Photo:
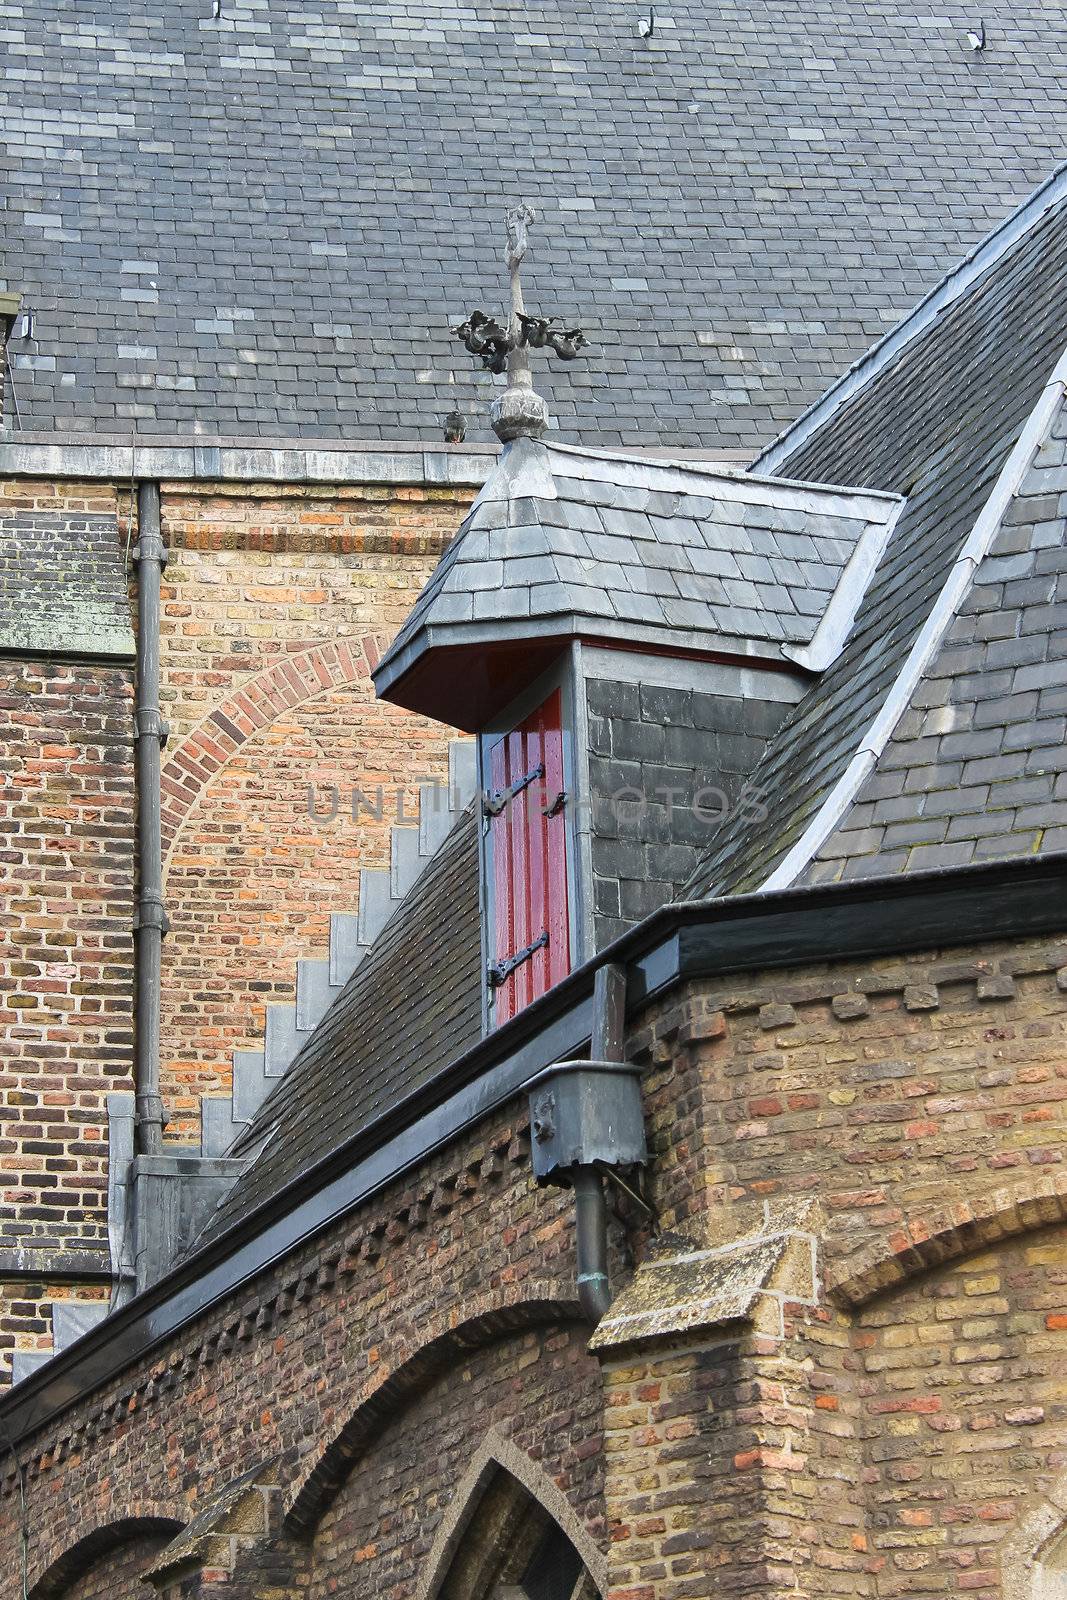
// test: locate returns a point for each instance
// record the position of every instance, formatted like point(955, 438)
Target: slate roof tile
point(665, 572)
point(937, 422)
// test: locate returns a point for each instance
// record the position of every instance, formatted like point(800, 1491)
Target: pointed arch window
point(512, 1548)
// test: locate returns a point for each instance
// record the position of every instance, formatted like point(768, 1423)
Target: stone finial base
point(519, 413)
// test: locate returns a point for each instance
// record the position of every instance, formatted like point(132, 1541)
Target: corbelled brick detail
point(830, 1448)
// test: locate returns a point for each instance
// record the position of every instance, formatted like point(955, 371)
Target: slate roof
point(265, 223)
point(937, 423)
point(562, 541)
point(412, 1005)
point(62, 585)
point(976, 767)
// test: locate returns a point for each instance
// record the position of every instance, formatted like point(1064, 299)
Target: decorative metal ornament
point(519, 411)
point(483, 336)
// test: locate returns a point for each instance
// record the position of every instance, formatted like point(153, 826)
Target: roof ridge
point(985, 255)
point(931, 635)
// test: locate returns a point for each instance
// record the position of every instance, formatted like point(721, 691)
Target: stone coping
point(116, 460)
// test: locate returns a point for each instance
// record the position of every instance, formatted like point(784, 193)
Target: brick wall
point(386, 1517)
point(113, 1575)
point(885, 1089)
point(399, 1305)
point(275, 605)
point(67, 865)
point(907, 1420)
point(964, 1402)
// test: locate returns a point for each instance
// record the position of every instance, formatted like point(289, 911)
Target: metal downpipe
point(150, 731)
point(591, 1242)
point(590, 1204)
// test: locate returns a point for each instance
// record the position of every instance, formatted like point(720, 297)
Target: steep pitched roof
point(309, 195)
point(63, 585)
point(976, 766)
point(412, 1005)
point(947, 419)
point(968, 419)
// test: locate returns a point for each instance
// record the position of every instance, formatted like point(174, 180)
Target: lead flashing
point(714, 481)
point(835, 624)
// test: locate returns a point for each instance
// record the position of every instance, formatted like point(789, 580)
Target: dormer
point(623, 635)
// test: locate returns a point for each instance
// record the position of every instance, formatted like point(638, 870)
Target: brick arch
point(945, 1233)
point(286, 683)
point(61, 1571)
point(497, 1452)
point(412, 1367)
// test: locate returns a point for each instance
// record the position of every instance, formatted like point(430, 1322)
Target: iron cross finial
point(519, 410)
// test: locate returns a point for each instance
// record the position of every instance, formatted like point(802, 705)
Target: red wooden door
point(528, 861)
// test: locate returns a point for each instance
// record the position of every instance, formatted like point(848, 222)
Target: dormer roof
point(568, 543)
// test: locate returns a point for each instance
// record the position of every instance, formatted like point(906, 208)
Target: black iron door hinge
point(493, 802)
point(499, 971)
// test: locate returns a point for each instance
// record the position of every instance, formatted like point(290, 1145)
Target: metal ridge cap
point(517, 1038)
point(944, 294)
point(738, 477)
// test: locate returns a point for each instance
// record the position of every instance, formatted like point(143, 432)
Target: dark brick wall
point(66, 960)
point(115, 1575)
point(664, 766)
point(393, 1506)
point(340, 1342)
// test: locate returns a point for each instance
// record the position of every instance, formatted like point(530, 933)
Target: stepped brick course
point(893, 1435)
point(276, 604)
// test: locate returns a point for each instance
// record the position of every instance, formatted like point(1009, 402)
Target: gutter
point(677, 944)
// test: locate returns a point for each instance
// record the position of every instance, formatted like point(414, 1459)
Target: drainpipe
point(151, 918)
point(591, 1242)
point(585, 1117)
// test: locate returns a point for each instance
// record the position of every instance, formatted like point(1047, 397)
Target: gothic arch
point(945, 1233)
point(497, 1454)
point(411, 1367)
point(63, 1569)
point(266, 695)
